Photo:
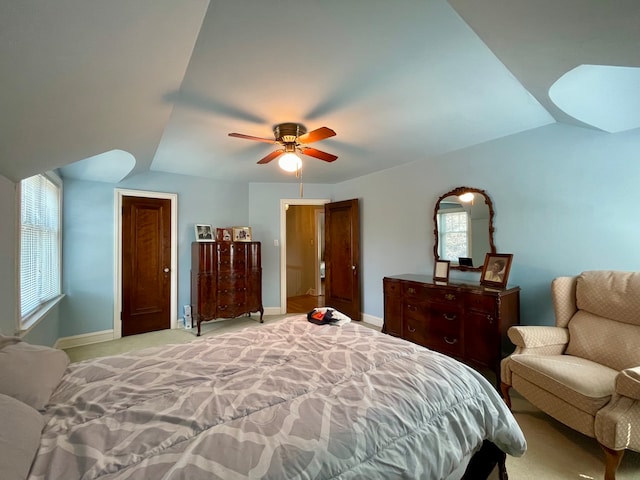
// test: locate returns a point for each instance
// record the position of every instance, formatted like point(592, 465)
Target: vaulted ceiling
point(110, 89)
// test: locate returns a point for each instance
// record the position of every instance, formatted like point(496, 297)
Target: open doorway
point(302, 254)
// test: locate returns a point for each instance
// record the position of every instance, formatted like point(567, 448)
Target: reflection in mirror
point(463, 228)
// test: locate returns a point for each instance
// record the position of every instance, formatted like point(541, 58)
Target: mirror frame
point(456, 192)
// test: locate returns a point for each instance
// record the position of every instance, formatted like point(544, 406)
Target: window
point(40, 244)
point(453, 228)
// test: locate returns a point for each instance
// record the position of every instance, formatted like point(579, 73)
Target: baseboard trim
point(84, 339)
point(272, 311)
point(377, 321)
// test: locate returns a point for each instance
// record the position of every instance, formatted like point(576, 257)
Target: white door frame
point(117, 293)
point(284, 202)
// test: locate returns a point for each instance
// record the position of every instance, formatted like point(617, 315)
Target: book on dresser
point(226, 280)
point(463, 320)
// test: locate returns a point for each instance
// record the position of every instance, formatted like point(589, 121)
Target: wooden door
point(342, 257)
point(146, 262)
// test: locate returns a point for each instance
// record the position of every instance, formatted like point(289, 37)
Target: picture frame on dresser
point(204, 233)
point(441, 271)
point(495, 271)
point(242, 234)
point(224, 234)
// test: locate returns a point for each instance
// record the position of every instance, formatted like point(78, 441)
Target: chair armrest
point(531, 336)
point(628, 383)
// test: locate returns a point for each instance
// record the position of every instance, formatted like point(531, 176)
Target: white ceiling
point(165, 81)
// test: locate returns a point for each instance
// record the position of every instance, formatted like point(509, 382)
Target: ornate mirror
point(463, 228)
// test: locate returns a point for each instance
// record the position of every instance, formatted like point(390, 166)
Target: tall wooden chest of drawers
point(465, 321)
point(226, 280)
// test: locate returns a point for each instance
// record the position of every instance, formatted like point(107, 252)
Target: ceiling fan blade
point(312, 152)
point(250, 137)
point(271, 156)
point(316, 135)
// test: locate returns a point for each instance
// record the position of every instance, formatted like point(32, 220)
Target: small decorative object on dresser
point(203, 233)
point(441, 271)
point(495, 271)
point(224, 234)
point(463, 320)
point(241, 234)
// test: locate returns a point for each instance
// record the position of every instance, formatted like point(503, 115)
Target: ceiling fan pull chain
point(299, 175)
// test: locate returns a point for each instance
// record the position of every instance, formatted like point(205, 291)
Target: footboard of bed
point(485, 461)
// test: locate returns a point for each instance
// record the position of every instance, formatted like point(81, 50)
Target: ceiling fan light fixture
point(290, 162)
point(466, 197)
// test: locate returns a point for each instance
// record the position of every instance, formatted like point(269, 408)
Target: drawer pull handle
point(451, 342)
point(412, 330)
point(413, 308)
point(449, 317)
point(490, 318)
point(450, 296)
point(412, 291)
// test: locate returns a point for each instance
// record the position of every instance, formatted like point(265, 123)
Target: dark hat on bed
point(320, 317)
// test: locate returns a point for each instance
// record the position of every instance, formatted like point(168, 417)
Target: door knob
point(165, 269)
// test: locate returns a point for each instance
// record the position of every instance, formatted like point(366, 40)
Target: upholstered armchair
point(585, 371)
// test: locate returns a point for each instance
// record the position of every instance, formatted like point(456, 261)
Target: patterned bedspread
point(286, 400)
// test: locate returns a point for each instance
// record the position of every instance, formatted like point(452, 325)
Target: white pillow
point(19, 437)
point(30, 373)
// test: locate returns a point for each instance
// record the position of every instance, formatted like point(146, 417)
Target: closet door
point(342, 257)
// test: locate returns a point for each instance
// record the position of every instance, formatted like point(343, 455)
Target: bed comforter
point(281, 401)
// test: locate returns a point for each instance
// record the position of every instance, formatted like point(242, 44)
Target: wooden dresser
point(465, 321)
point(226, 280)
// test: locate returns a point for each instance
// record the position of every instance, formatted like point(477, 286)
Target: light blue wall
point(565, 199)
point(264, 218)
point(88, 251)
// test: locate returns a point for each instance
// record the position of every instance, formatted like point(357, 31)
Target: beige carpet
point(555, 452)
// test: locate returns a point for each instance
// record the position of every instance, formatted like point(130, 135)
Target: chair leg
point(504, 388)
point(612, 459)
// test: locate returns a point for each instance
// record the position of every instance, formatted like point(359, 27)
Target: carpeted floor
point(555, 452)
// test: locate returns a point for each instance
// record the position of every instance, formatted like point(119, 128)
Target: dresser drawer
point(445, 343)
point(416, 310)
point(415, 291)
point(232, 280)
point(484, 303)
point(227, 265)
point(231, 296)
point(445, 314)
point(392, 287)
point(415, 330)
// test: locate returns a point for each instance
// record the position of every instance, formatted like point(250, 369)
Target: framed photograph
point(241, 234)
point(204, 233)
point(224, 234)
point(495, 271)
point(441, 270)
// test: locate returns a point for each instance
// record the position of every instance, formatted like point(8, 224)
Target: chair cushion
point(605, 341)
point(585, 384)
point(610, 294)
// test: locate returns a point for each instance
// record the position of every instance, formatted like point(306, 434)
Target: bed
point(286, 400)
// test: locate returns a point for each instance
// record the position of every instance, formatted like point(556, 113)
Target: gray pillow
point(30, 373)
point(19, 437)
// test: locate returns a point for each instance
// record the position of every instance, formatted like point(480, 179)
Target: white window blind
point(39, 243)
point(453, 228)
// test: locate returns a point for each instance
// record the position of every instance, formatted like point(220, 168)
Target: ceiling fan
point(293, 137)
